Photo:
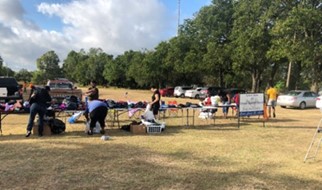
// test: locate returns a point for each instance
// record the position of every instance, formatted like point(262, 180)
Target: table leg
point(1, 123)
point(187, 117)
point(193, 117)
point(114, 116)
point(118, 120)
point(1, 118)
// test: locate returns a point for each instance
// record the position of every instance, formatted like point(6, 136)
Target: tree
point(178, 48)
point(23, 75)
point(297, 37)
point(251, 39)
point(70, 65)
point(48, 66)
point(136, 73)
point(115, 71)
point(215, 24)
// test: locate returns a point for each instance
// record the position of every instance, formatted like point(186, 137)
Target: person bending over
point(96, 111)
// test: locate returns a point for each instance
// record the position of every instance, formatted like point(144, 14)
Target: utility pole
point(5, 67)
point(178, 17)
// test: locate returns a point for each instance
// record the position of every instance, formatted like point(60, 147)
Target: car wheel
point(182, 95)
point(197, 96)
point(283, 106)
point(302, 105)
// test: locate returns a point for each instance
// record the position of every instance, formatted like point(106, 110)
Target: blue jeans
point(226, 108)
point(35, 109)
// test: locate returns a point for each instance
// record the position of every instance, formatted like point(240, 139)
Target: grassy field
point(204, 156)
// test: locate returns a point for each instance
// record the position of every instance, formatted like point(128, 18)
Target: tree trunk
point(221, 78)
point(255, 81)
point(316, 78)
point(288, 75)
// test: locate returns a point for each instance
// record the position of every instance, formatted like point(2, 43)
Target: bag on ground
point(57, 126)
point(96, 129)
point(75, 117)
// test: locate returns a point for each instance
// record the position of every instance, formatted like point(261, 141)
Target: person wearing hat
point(38, 105)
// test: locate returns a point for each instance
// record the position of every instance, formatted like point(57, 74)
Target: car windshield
point(61, 85)
point(294, 93)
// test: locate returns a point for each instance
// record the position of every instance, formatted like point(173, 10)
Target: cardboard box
point(138, 129)
point(46, 131)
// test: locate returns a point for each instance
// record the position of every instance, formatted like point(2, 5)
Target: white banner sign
point(251, 104)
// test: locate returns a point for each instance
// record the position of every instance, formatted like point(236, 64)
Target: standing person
point(227, 103)
point(38, 100)
point(210, 101)
point(92, 93)
point(271, 96)
point(24, 87)
point(96, 111)
point(156, 99)
point(30, 85)
point(32, 90)
point(226, 100)
point(207, 101)
point(236, 100)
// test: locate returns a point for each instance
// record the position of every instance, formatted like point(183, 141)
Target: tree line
point(230, 43)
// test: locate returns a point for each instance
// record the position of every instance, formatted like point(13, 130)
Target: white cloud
point(113, 25)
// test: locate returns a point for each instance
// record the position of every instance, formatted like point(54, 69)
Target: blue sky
point(30, 28)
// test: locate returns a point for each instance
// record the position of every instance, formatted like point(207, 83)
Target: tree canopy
point(229, 43)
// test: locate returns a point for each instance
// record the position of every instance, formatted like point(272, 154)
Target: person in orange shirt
point(272, 97)
point(24, 87)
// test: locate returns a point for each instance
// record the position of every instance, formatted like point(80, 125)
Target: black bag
point(110, 103)
point(126, 127)
point(57, 126)
point(71, 106)
point(71, 102)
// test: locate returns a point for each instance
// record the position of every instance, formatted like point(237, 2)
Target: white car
point(194, 93)
point(318, 102)
point(298, 99)
point(180, 90)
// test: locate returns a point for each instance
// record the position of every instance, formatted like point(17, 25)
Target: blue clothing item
point(95, 104)
point(40, 109)
point(226, 108)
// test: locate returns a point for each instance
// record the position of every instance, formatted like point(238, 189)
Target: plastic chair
point(173, 110)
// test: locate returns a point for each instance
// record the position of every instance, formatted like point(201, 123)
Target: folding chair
point(173, 110)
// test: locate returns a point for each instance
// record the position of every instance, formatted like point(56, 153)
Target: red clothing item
point(207, 101)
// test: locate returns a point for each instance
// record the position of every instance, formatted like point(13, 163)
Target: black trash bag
point(57, 126)
point(71, 102)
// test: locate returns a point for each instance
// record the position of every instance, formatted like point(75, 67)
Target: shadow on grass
point(80, 164)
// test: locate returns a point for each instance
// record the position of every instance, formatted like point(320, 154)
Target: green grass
point(203, 156)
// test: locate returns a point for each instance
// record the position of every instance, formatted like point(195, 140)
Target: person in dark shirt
point(39, 100)
point(96, 111)
point(92, 93)
point(156, 99)
point(32, 90)
point(226, 100)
